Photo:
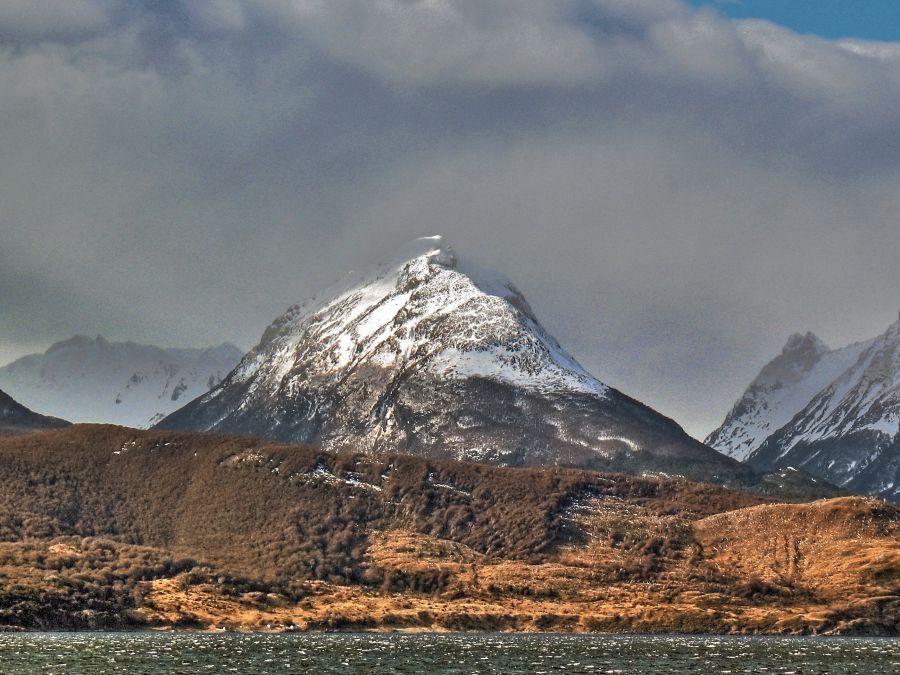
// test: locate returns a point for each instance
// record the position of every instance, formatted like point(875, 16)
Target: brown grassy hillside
point(111, 526)
point(838, 550)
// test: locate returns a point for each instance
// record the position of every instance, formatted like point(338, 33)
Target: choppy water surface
point(435, 653)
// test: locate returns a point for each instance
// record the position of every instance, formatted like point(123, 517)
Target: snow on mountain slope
point(392, 315)
point(94, 380)
point(866, 397)
point(781, 390)
point(433, 357)
point(848, 429)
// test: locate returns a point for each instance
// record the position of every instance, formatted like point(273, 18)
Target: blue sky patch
point(869, 19)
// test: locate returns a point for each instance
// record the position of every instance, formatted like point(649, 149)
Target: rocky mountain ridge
point(833, 413)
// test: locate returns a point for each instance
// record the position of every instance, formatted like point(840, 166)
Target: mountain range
point(86, 379)
point(342, 479)
point(432, 357)
point(835, 413)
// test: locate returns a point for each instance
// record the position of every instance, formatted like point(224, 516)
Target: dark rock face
point(864, 462)
point(14, 417)
point(430, 358)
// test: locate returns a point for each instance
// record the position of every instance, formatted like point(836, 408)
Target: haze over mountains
point(835, 413)
point(86, 379)
point(430, 357)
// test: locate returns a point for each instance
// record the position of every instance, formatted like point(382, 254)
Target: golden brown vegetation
point(105, 526)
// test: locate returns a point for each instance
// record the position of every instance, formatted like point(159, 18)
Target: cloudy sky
point(674, 187)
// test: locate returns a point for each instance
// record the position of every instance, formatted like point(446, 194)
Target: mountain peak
point(434, 249)
point(808, 342)
point(422, 251)
point(76, 342)
point(428, 308)
point(834, 413)
point(433, 356)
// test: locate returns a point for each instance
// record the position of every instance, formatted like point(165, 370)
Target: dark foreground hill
point(107, 526)
point(15, 418)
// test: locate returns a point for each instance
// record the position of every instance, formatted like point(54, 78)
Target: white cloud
point(702, 47)
point(816, 69)
point(427, 42)
point(886, 51)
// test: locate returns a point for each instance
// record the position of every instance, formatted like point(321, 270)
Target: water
point(440, 653)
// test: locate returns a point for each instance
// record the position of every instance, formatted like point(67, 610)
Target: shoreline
point(440, 633)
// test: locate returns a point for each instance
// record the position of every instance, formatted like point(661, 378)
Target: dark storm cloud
point(674, 192)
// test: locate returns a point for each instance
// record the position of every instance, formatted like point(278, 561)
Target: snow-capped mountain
point(833, 413)
point(93, 380)
point(15, 417)
point(431, 357)
point(781, 390)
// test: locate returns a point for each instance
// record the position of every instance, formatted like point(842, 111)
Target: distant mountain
point(16, 418)
point(780, 391)
point(833, 413)
point(431, 357)
point(93, 380)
